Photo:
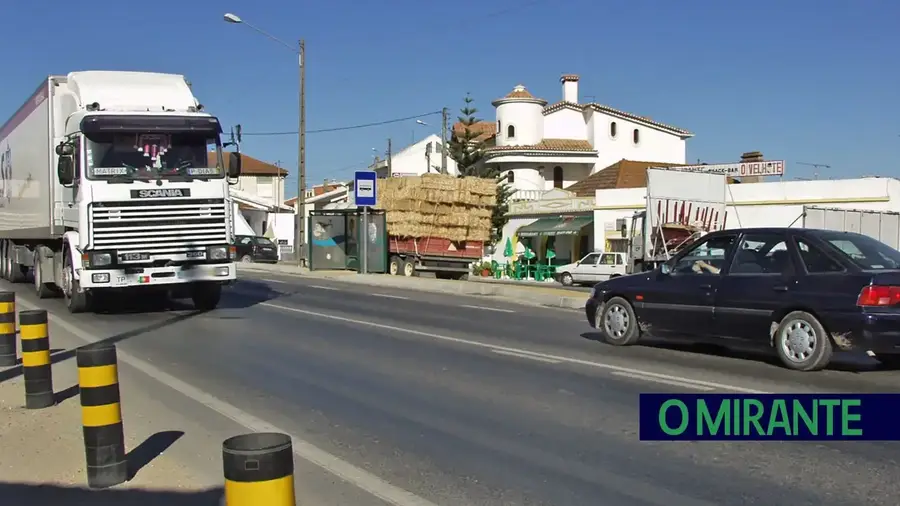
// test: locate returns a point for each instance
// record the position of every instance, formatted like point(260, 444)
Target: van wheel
point(802, 343)
point(617, 322)
point(566, 279)
point(394, 265)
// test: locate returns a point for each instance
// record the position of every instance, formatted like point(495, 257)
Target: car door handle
point(705, 287)
point(780, 288)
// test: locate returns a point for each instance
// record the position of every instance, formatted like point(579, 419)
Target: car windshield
point(863, 251)
point(145, 156)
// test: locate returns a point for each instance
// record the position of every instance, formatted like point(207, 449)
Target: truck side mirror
point(234, 165)
point(65, 170)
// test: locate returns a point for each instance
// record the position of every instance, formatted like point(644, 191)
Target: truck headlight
point(98, 258)
point(217, 253)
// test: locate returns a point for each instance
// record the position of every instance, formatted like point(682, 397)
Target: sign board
point(764, 168)
point(364, 188)
point(403, 174)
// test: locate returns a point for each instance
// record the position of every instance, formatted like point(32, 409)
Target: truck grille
point(166, 230)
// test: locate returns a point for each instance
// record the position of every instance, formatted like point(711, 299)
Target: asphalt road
point(457, 400)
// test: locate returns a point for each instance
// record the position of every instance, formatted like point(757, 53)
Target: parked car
point(255, 248)
point(804, 292)
point(592, 268)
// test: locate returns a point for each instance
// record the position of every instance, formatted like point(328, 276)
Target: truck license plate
point(195, 254)
point(130, 257)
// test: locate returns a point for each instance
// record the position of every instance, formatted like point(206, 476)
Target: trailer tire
point(41, 289)
point(395, 265)
point(77, 301)
point(409, 268)
point(17, 272)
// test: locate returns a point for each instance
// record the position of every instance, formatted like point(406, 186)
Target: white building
point(422, 157)
point(542, 147)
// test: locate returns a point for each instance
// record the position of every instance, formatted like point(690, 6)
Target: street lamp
point(300, 50)
point(421, 123)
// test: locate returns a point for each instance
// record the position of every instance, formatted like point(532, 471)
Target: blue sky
point(801, 80)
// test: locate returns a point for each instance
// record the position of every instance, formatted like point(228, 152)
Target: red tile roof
point(617, 113)
point(251, 166)
point(549, 145)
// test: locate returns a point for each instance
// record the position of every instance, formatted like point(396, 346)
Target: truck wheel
point(4, 261)
point(17, 272)
point(566, 279)
point(77, 301)
point(618, 323)
point(206, 296)
point(41, 289)
point(802, 343)
point(395, 265)
point(409, 268)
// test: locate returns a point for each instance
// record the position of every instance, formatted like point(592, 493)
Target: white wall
point(565, 124)
point(412, 160)
point(528, 118)
point(264, 187)
point(653, 145)
point(527, 177)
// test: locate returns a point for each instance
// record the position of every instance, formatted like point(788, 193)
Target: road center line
point(674, 383)
point(484, 308)
point(469, 342)
point(389, 296)
point(305, 450)
point(524, 355)
point(320, 287)
point(267, 280)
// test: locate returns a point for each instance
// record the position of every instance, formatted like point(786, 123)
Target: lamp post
point(300, 50)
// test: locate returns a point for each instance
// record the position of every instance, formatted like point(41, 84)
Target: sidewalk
point(532, 295)
point(43, 458)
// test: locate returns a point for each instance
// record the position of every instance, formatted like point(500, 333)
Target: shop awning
point(557, 225)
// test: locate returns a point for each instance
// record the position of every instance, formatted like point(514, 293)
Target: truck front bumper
point(156, 276)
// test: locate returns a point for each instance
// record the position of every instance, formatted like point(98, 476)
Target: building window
point(612, 130)
point(499, 130)
point(511, 132)
point(636, 136)
point(510, 177)
point(557, 177)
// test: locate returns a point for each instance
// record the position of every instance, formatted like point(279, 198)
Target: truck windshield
point(147, 156)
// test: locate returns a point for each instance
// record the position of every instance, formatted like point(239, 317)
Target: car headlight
point(217, 253)
point(99, 258)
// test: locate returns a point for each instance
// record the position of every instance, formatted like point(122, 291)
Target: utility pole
point(444, 140)
point(300, 225)
point(389, 156)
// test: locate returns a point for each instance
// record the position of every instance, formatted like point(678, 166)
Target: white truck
point(106, 185)
point(681, 206)
point(881, 225)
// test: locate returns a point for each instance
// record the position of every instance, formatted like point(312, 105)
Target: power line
point(340, 129)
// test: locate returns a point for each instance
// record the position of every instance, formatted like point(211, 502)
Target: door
point(757, 283)
point(681, 301)
point(586, 270)
point(607, 266)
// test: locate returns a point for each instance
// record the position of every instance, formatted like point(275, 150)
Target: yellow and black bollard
point(259, 469)
point(36, 367)
point(8, 329)
point(101, 415)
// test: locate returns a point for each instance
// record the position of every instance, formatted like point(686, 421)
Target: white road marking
point(389, 296)
point(570, 360)
point(320, 287)
point(305, 450)
point(489, 308)
point(674, 383)
point(525, 355)
point(267, 280)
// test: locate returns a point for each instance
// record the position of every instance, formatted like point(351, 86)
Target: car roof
point(779, 230)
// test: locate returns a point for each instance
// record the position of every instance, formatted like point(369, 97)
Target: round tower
point(520, 118)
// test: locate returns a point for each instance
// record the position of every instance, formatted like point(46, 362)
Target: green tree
point(466, 148)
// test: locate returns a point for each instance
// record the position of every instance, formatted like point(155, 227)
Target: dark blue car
point(804, 292)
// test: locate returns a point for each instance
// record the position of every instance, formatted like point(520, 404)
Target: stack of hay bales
point(434, 205)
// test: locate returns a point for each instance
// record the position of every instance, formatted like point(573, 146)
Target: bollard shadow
point(151, 448)
point(20, 494)
point(56, 355)
point(64, 395)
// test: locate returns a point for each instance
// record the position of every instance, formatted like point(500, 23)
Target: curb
point(511, 293)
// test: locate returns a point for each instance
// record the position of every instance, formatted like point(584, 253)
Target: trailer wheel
point(16, 272)
point(395, 265)
point(4, 266)
point(409, 268)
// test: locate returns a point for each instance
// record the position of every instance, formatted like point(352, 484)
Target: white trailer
point(680, 206)
point(106, 185)
point(881, 225)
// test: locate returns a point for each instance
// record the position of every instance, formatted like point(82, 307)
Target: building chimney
point(569, 88)
point(752, 156)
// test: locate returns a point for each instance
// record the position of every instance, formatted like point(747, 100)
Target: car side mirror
point(65, 170)
point(234, 165)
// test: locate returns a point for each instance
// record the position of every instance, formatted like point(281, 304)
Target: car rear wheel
point(247, 259)
point(617, 322)
point(802, 343)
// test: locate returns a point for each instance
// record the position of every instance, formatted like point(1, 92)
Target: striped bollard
point(259, 469)
point(101, 415)
point(36, 368)
point(8, 356)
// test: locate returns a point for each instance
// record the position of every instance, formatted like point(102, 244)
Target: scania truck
point(116, 181)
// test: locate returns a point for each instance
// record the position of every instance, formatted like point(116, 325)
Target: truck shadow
point(246, 293)
point(20, 494)
point(843, 362)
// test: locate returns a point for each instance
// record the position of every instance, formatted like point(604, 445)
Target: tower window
point(511, 132)
point(636, 136)
point(510, 177)
point(557, 177)
point(613, 130)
